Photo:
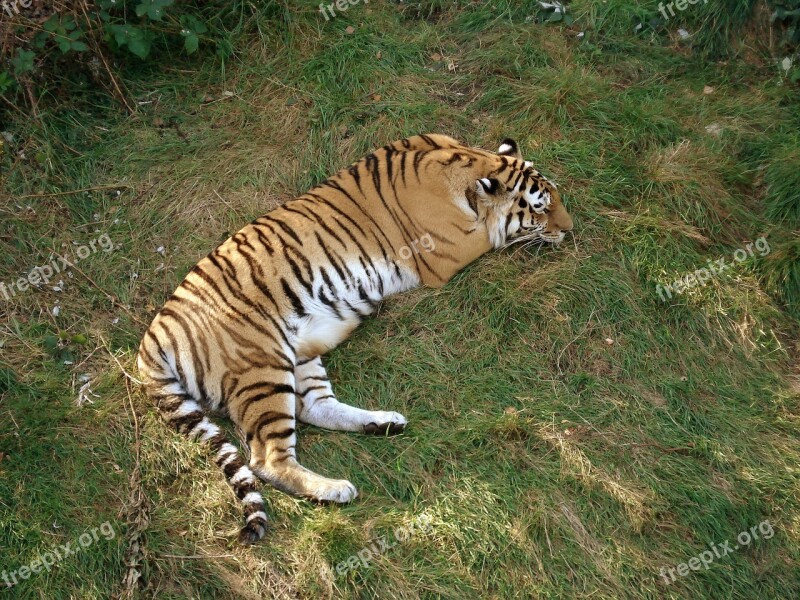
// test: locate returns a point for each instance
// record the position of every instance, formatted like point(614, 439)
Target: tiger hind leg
point(263, 405)
point(317, 405)
point(185, 415)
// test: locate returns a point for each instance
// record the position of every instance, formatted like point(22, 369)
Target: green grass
point(570, 433)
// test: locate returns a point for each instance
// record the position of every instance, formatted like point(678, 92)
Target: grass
point(571, 434)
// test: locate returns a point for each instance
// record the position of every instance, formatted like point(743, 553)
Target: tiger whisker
point(525, 238)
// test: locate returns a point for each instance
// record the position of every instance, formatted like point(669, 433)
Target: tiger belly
point(324, 327)
point(321, 332)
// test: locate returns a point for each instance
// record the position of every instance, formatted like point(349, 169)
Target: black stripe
point(248, 302)
point(418, 156)
point(403, 167)
point(328, 397)
point(193, 336)
point(216, 442)
point(335, 208)
point(297, 305)
point(267, 419)
point(186, 423)
point(279, 435)
point(232, 467)
point(285, 227)
point(299, 274)
point(333, 262)
point(305, 392)
point(429, 141)
point(353, 170)
point(246, 404)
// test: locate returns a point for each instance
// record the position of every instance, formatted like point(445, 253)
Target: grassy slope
point(554, 462)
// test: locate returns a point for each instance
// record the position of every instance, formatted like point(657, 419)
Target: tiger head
point(523, 204)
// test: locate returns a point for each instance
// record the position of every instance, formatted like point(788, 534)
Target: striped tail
point(186, 416)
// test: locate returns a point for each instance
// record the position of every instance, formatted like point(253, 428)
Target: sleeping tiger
point(244, 332)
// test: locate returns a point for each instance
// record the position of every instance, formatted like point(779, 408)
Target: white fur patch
point(187, 407)
point(252, 497)
point(228, 461)
point(319, 333)
point(243, 474)
point(537, 198)
point(255, 515)
point(504, 149)
point(173, 388)
point(532, 197)
point(210, 430)
point(227, 448)
point(205, 429)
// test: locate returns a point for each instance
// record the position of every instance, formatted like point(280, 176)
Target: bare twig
point(198, 556)
point(137, 514)
point(89, 189)
point(684, 449)
point(575, 339)
point(99, 52)
point(116, 360)
point(14, 106)
point(34, 104)
point(114, 300)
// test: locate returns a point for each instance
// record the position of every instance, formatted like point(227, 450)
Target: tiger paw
point(339, 491)
point(386, 423)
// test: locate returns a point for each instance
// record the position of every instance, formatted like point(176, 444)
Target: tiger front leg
point(317, 405)
point(263, 405)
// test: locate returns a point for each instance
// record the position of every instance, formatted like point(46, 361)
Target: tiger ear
point(486, 186)
point(508, 147)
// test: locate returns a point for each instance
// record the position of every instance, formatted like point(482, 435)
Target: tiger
point(243, 334)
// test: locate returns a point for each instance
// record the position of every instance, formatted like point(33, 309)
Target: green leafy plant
point(6, 82)
point(23, 62)
point(193, 28)
point(154, 9)
point(136, 39)
point(67, 45)
point(65, 33)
